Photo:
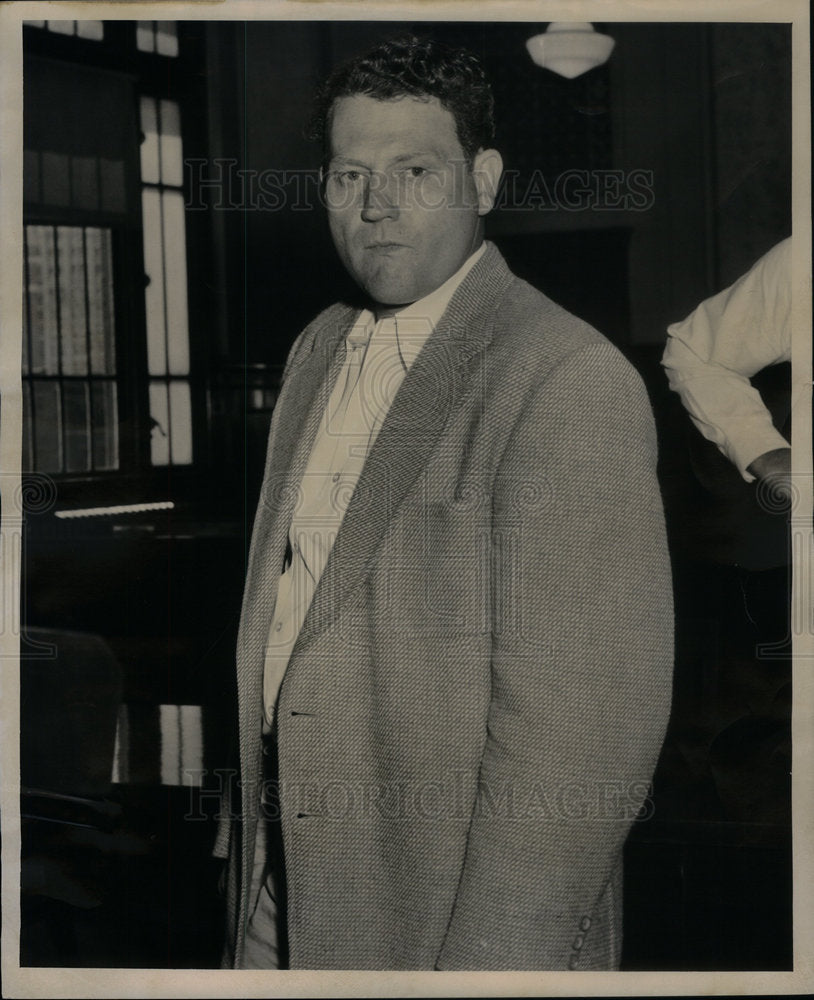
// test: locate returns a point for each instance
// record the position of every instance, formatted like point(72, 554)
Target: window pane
point(72, 319)
point(154, 291)
point(100, 301)
point(149, 145)
point(180, 424)
point(77, 426)
point(105, 418)
point(91, 29)
point(145, 36)
point(71, 422)
point(175, 264)
point(160, 429)
point(62, 27)
point(172, 168)
point(42, 298)
point(166, 38)
point(72, 114)
point(47, 427)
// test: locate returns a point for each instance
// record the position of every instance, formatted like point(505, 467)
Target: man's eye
point(416, 171)
point(346, 176)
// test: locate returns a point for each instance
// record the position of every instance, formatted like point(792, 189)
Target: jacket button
point(585, 923)
point(573, 962)
point(579, 940)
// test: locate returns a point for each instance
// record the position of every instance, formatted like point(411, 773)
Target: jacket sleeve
point(581, 670)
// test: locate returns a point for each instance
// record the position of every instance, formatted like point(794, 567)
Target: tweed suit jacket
point(473, 710)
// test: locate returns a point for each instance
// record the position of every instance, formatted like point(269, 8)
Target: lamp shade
point(570, 48)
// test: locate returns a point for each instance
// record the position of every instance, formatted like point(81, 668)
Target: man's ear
point(487, 168)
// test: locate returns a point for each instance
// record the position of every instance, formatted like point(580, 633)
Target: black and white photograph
point(406, 499)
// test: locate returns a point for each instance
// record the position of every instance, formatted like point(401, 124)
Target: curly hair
point(418, 67)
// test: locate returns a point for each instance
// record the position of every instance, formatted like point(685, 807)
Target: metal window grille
point(70, 392)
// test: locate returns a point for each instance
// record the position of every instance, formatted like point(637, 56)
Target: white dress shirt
point(378, 355)
point(711, 355)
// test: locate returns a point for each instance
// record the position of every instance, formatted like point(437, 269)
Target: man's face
point(403, 204)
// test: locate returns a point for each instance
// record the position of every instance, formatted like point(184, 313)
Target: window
point(107, 366)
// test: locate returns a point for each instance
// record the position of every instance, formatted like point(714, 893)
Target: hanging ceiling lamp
point(570, 48)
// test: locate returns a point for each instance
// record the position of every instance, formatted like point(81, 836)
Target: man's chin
point(390, 297)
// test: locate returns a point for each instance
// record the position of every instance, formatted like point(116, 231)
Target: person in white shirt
point(711, 355)
point(455, 654)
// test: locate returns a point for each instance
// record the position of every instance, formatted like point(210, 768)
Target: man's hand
point(774, 468)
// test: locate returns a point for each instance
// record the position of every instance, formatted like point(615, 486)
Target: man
point(455, 648)
point(711, 355)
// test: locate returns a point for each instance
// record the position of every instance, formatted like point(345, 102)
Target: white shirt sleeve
point(711, 355)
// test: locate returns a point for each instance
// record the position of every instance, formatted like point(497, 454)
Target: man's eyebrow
point(401, 158)
point(347, 161)
point(405, 157)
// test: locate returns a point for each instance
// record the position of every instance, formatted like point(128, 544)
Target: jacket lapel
point(423, 405)
point(305, 391)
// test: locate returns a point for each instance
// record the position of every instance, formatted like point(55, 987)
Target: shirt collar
point(413, 324)
point(432, 306)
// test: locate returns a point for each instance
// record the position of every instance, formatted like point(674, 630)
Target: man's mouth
point(384, 245)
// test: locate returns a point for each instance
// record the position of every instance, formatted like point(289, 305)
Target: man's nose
point(380, 201)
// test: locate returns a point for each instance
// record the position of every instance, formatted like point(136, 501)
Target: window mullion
point(88, 361)
point(60, 366)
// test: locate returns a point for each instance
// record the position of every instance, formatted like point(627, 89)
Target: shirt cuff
point(748, 447)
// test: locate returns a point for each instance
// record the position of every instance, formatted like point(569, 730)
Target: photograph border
point(73, 982)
